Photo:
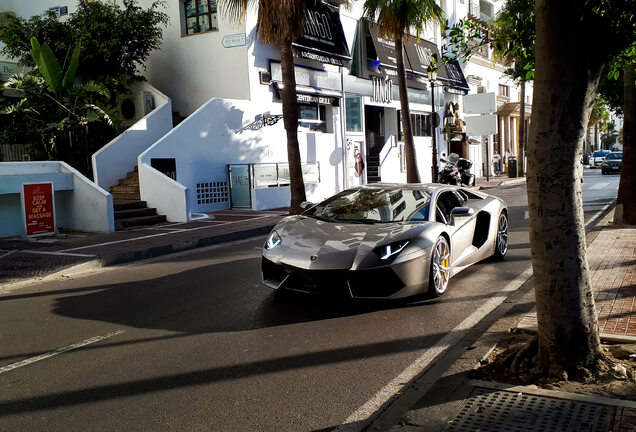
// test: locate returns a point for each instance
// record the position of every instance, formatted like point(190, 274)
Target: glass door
point(240, 186)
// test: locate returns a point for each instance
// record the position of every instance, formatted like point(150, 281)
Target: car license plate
point(615, 167)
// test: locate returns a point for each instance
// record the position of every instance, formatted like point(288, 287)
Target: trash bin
point(512, 167)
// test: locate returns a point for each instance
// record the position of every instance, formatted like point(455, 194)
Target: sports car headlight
point(273, 240)
point(390, 250)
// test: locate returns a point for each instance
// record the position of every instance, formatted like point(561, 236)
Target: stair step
point(126, 196)
point(133, 175)
point(140, 221)
point(128, 182)
point(135, 212)
point(128, 204)
point(124, 188)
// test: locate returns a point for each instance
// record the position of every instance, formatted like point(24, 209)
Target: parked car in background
point(598, 157)
point(612, 163)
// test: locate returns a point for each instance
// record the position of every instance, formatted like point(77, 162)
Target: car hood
point(314, 244)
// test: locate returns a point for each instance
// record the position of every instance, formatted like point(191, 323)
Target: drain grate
point(489, 410)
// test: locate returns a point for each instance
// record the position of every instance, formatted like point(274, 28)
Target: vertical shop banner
point(39, 208)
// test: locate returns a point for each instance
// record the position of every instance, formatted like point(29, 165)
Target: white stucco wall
point(207, 141)
point(115, 159)
point(191, 69)
point(81, 205)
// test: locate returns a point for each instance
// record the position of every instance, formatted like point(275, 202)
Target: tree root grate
point(487, 410)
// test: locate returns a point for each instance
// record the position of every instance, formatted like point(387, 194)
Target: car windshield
point(614, 156)
point(374, 206)
point(600, 153)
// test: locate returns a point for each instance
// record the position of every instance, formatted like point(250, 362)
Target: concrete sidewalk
point(452, 401)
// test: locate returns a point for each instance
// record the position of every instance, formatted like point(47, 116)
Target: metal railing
point(277, 174)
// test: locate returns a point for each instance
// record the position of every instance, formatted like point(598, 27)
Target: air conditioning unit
point(135, 106)
point(481, 89)
point(3, 16)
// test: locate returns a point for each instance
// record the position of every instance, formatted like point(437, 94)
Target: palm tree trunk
point(625, 202)
point(522, 128)
point(565, 85)
point(290, 119)
point(412, 173)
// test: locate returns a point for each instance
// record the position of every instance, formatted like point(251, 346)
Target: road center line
point(58, 351)
point(359, 418)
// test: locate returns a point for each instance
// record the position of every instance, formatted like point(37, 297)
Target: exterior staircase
point(373, 169)
point(130, 211)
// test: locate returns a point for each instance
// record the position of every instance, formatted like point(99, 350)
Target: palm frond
point(395, 18)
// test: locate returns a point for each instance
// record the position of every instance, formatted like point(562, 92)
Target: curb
point(179, 246)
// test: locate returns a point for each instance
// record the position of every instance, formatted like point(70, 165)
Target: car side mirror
point(305, 205)
point(461, 212)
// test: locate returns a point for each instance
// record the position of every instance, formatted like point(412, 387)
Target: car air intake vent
point(377, 283)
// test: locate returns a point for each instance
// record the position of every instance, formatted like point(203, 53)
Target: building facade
point(231, 149)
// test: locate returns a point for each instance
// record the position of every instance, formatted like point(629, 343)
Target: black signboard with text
point(323, 39)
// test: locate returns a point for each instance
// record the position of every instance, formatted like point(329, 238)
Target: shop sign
point(308, 77)
point(382, 90)
point(314, 99)
point(39, 208)
point(323, 38)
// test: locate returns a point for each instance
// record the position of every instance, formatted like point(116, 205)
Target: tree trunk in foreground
point(565, 85)
point(412, 173)
point(290, 119)
point(625, 203)
point(522, 129)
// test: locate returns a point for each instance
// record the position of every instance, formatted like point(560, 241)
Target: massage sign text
point(38, 208)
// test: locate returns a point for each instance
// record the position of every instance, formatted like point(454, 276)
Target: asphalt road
point(195, 342)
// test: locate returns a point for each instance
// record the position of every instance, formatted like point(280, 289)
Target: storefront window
point(313, 116)
point(420, 124)
point(354, 113)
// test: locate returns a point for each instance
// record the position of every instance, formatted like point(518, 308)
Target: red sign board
point(39, 210)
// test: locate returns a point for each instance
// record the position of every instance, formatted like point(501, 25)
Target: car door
point(461, 228)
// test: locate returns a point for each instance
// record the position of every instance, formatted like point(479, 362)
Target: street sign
point(39, 208)
point(235, 40)
point(481, 124)
point(480, 103)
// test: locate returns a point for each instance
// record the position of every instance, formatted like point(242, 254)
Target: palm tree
point(279, 23)
point(395, 18)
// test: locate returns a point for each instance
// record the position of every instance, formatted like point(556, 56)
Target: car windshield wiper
point(319, 218)
point(358, 221)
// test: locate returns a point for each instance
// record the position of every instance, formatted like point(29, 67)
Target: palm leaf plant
point(279, 23)
point(395, 19)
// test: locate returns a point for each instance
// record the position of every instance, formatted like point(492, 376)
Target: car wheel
point(501, 245)
point(440, 268)
point(603, 172)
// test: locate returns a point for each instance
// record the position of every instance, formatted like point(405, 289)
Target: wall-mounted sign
point(323, 39)
point(234, 40)
point(39, 208)
point(314, 99)
point(382, 90)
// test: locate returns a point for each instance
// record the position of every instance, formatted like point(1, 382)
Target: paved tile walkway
point(612, 261)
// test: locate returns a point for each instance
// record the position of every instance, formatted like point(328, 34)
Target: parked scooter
point(456, 171)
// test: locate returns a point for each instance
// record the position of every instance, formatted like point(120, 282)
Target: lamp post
point(432, 76)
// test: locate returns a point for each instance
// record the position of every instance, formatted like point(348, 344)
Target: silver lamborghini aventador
point(385, 241)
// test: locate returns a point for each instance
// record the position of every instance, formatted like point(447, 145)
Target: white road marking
point(358, 419)
point(7, 254)
point(526, 215)
point(598, 186)
point(58, 351)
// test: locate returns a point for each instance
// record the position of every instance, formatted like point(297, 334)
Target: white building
point(231, 149)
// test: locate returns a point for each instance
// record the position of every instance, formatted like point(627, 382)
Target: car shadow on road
point(215, 298)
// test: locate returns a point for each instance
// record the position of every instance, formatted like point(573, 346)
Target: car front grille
point(375, 283)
